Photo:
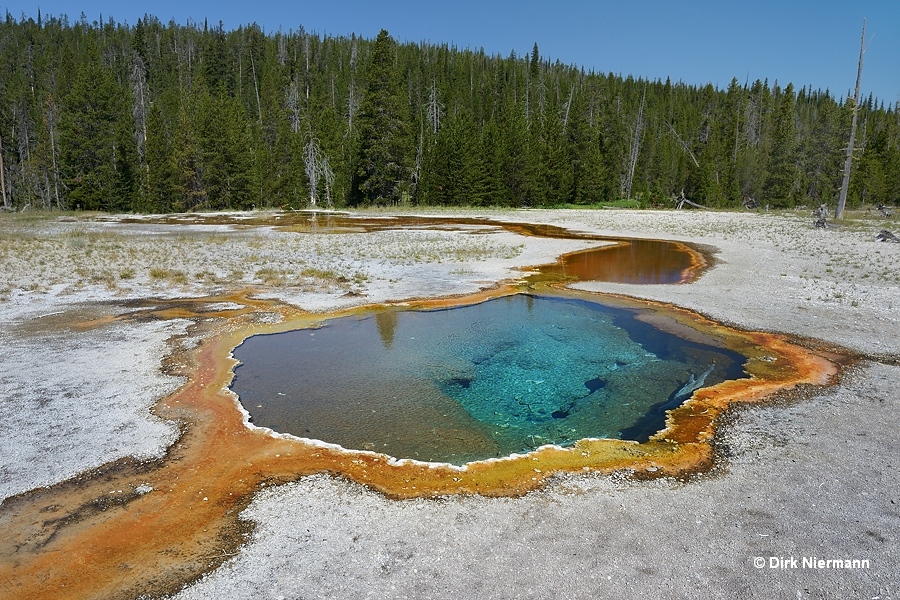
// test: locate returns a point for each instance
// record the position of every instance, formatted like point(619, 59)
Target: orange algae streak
point(157, 541)
point(775, 364)
point(626, 261)
point(188, 523)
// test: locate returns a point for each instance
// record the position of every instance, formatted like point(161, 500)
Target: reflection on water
point(632, 261)
point(628, 261)
point(387, 323)
point(472, 382)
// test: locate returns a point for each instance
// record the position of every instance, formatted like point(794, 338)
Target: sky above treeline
point(813, 43)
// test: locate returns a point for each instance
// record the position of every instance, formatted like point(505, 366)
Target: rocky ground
point(812, 478)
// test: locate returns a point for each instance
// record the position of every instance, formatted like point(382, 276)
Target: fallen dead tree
point(682, 200)
point(821, 215)
point(886, 236)
point(693, 384)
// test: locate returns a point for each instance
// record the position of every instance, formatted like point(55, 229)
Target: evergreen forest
point(157, 117)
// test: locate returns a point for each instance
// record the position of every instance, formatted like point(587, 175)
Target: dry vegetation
point(65, 254)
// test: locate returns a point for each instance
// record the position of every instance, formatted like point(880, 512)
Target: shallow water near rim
point(473, 382)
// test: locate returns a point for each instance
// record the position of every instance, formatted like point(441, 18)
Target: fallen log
point(694, 204)
point(886, 236)
point(682, 200)
point(693, 384)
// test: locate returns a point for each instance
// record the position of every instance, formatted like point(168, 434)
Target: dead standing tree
point(313, 169)
point(318, 166)
point(848, 163)
point(139, 112)
point(6, 205)
point(434, 109)
point(328, 174)
point(635, 148)
point(684, 146)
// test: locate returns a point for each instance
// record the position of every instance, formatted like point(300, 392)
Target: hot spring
point(473, 382)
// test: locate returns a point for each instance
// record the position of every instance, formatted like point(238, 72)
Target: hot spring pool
point(474, 382)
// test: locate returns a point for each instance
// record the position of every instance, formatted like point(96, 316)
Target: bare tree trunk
point(328, 173)
point(256, 88)
point(417, 171)
point(352, 106)
point(635, 147)
point(527, 102)
point(353, 101)
point(3, 177)
point(306, 54)
point(51, 128)
point(737, 137)
point(684, 145)
point(568, 106)
point(141, 95)
point(282, 48)
point(45, 190)
point(311, 158)
point(848, 163)
point(293, 105)
point(434, 109)
point(542, 98)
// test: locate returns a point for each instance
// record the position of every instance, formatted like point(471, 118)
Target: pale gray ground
point(798, 483)
point(73, 401)
point(812, 478)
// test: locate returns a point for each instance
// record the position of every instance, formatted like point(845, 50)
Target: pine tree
point(384, 160)
point(708, 183)
point(186, 158)
point(535, 64)
point(588, 172)
point(161, 117)
point(494, 191)
point(871, 179)
point(162, 178)
point(733, 139)
point(820, 150)
point(552, 181)
point(89, 136)
point(454, 173)
point(780, 185)
point(517, 159)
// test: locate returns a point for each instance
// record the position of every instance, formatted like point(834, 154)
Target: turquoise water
point(473, 382)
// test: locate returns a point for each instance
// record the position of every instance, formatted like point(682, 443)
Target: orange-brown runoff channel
point(104, 535)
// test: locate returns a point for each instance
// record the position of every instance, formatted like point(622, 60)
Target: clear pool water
point(473, 382)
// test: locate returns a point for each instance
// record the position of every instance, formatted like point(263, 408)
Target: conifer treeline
point(166, 117)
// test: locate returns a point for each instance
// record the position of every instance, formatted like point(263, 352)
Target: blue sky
point(807, 42)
